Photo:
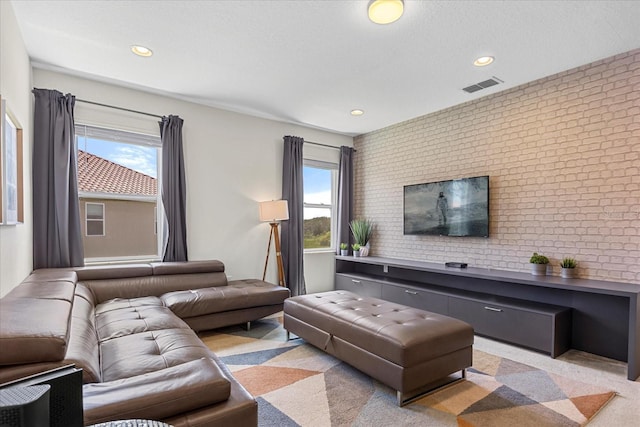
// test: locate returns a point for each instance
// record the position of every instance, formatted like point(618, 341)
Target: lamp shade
point(274, 210)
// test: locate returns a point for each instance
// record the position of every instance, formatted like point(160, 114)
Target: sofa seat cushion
point(239, 294)
point(400, 334)
point(118, 318)
point(145, 352)
point(158, 394)
point(33, 330)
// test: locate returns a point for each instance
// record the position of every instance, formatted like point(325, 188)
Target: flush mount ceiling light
point(357, 112)
point(385, 11)
point(141, 50)
point(483, 60)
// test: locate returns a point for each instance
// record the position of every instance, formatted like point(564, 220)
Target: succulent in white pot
point(538, 264)
point(568, 267)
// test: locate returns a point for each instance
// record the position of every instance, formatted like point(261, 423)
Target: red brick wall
point(563, 155)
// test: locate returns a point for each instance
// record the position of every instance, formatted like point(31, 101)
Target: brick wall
point(563, 156)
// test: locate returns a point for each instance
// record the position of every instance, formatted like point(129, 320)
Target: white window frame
point(87, 220)
point(133, 138)
point(333, 167)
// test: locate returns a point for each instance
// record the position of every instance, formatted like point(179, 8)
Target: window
point(11, 185)
point(118, 174)
point(320, 180)
point(94, 217)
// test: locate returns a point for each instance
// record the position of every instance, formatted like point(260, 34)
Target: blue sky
point(317, 190)
point(317, 185)
point(137, 157)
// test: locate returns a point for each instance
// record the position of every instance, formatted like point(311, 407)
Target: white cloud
point(141, 159)
point(318, 197)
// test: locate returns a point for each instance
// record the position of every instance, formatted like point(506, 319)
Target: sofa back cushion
point(154, 279)
point(83, 350)
point(33, 330)
point(63, 291)
point(190, 267)
point(107, 289)
point(34, 318)
point(123, 271)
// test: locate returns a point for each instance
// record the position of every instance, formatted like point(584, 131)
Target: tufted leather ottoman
point(413, 351)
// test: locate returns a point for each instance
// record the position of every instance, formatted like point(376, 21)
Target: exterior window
point(94, 217)
point(118, 173)
point(319, 204)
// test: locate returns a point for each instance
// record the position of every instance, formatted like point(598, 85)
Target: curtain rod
point(324, 145)
point(118, 108)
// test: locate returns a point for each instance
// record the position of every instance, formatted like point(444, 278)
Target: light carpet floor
point(298, 385)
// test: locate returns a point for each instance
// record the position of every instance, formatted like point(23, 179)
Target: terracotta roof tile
point(99, 175)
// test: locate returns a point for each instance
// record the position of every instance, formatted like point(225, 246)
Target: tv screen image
point(458, 207)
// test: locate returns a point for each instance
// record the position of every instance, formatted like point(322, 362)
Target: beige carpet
point(298, 385)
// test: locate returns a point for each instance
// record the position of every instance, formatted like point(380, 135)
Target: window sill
point(320, 251)
point(124, 260)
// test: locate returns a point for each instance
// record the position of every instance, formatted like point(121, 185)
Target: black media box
point(456, 264)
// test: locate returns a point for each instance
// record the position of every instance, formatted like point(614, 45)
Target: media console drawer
point(359, 286)
point(415, 297)
point(541, 327)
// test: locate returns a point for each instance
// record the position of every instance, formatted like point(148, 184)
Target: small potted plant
point(538, 264)
point(362, 230)
point(344, 249)
point(568, 267)
point(356, 249)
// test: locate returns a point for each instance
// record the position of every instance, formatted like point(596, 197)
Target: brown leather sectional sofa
point(131, 329)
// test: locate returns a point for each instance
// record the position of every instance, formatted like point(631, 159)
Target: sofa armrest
point(158, 394)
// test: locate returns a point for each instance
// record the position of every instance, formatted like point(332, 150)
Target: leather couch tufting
point(131, 330)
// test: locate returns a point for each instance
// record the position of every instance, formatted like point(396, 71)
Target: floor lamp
point(274, 211)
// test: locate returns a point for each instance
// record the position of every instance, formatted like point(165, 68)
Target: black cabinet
point(541, 327)
point(546, 313)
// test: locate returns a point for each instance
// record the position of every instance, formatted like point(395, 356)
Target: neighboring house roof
point(99, 175)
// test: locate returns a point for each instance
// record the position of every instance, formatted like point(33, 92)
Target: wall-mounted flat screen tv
point(458, 207)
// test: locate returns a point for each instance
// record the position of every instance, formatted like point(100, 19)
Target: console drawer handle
point(355, 281)
point(492, 309)
point(410, 292)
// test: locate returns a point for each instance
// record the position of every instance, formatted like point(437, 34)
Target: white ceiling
point(312, 61)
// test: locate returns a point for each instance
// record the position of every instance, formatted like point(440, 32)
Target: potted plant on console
point(538, 264)
point(362, 230)
point(344, 249)
point(568, 267)
point(356, 250)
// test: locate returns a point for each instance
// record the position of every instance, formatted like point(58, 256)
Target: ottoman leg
point(403, 399)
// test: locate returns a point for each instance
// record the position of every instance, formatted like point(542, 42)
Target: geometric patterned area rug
point(297, 384)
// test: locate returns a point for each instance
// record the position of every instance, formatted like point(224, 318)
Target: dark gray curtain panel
point(174, 189)
point(345, 196)
point(292, 230)
point(57, 235)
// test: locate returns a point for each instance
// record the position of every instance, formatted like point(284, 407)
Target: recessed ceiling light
point(357, 112)
point(141, 50)
point(385, 11)
point(483, 60)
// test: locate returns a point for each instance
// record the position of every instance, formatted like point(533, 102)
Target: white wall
point(16, 247)
point(233, 161)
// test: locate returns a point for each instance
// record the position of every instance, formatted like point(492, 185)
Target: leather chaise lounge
point(131, 330)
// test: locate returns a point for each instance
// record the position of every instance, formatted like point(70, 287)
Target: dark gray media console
point(544, 313)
